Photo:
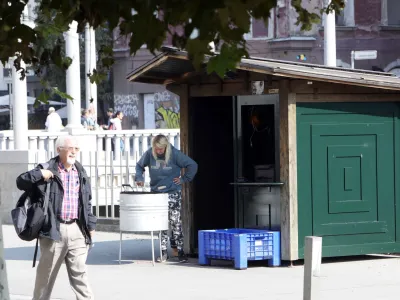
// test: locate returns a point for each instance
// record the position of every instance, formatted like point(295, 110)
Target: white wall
point(12, 164)
point(3, 85)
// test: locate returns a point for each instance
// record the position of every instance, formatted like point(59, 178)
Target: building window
point(340, 19)
point(345, 17)
point(393, 15)
point(259, 30)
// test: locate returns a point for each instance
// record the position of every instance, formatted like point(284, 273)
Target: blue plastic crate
point(239, 245)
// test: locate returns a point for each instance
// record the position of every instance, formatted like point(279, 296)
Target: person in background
point(53, 121)
point(86, 120)
point(69, 229)
point(92, 118)
point(117, 121)
point(165, 164)
point(116, 124)
point(110, 115)
point(92, 110)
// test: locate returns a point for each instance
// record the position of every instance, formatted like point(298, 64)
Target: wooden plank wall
point(314, 91)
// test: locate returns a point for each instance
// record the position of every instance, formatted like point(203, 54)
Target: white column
point(90, 64)
point(20, 95)
point(108, 143)
point(127, 143)
point(73, 77)
point(20, 109)
point(51, 146)
point(145, 143)
point(178, 141)
point(11, 143)
point(41, 145)
point(330, 38)
point(117, 146)
point(33, 143)
point(11, 103)
point(171, 138)
point(3, 143)
point(136, 150)
point(100, 139)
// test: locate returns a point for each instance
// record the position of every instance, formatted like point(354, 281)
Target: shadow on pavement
point(103, 253)
point(225, 265)
point(354, 258)
point(138, 251)
point(134, 251)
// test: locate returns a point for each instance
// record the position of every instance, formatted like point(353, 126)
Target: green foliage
point(223, 22)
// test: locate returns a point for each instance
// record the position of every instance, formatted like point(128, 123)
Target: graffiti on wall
point(167, 110)
point(129, 105)
point(169, 118)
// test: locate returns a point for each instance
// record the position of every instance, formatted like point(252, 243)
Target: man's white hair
point(161, 141)
point(62, 140)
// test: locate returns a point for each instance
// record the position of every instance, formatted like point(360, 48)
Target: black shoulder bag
point(29, 216)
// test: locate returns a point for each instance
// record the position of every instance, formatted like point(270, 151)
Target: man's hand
point(92, 233)
point(177, 180)
point(139, 183)
point(46, 174)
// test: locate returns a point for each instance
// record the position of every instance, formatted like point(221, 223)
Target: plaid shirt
point(70, 180)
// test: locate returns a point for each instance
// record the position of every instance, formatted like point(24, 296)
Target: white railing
point(107, 175)
point(107, 169)
point(136, 142)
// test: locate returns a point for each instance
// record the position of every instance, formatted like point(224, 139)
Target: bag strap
point(45, 207)
point(46, 198)
point(35, 254)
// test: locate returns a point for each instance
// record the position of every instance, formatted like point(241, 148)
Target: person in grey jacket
point(70, 226)
point(165, 164)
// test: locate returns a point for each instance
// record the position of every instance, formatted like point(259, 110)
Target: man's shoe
point(182, 256)
point(164, 257)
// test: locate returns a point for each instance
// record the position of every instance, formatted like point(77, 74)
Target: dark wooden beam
point(224, 89)
point(187, 198)
point(300, 86)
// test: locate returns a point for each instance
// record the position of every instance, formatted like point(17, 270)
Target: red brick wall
point(367, 12)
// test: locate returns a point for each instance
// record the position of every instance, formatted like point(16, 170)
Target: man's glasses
point(71, 148)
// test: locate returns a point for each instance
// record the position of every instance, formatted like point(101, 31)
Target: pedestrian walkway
point(367, 278)
point(24, 297)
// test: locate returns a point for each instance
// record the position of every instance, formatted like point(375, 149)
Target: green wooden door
point(346, 176)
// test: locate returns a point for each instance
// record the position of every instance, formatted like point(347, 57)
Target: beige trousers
point(71, 249)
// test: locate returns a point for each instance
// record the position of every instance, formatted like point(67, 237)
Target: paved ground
point(367, 277)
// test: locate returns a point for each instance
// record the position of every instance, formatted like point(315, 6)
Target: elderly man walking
point(69, 228)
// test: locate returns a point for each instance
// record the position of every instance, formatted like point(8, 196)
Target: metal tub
point(143, 211)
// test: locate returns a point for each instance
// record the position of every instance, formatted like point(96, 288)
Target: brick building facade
point(363, 25)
